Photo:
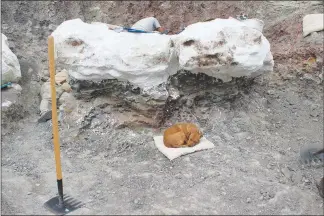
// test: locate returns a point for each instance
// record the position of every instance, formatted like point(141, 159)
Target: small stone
point(51, 27)
point(178, 177)
point(64, 97)
point(69, 102)
point(243, 169)
point(45, 79)
point(61, 77)
point(282, 181)
point(45, 106)
point(226, 136)
point(37, 185)
point(293, 167)
point(45, 116)
point(189, 103)
point(17, 87)
point(66, 87)
point(6, 104)
point(248, 200)
point(241, 135)
point(98, 191)
point(285, 171)
point(29, 193)
point(307, 76)
point(46, 91)
point(321, 76)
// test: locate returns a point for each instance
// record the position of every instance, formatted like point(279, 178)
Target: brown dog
point(181, 135)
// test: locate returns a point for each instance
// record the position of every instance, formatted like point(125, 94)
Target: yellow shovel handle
point(56, 138)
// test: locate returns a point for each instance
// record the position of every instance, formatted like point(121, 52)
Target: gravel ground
point(253, 169)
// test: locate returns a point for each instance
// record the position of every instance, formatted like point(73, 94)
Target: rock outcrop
point(92, 52)
point(224, 48)
point(221, 48)
point(10, 67)
point(12, 107)
point(148, 75)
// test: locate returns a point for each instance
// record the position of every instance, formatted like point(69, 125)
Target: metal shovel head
point(70, 204)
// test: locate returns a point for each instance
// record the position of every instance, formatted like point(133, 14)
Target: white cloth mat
point(173, 153)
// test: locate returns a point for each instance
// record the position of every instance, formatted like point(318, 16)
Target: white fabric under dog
point(173, 153)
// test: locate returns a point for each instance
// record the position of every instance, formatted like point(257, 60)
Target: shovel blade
point(54, 205)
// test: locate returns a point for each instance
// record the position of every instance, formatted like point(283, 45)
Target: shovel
point(59, 205)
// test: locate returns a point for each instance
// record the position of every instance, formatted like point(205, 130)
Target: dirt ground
point(253, 169)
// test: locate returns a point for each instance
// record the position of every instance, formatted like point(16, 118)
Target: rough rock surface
point(121, 105)
point(142, 70)
point(224, 48)
point(92, 52)
point(313, 23)
point(10, 67)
